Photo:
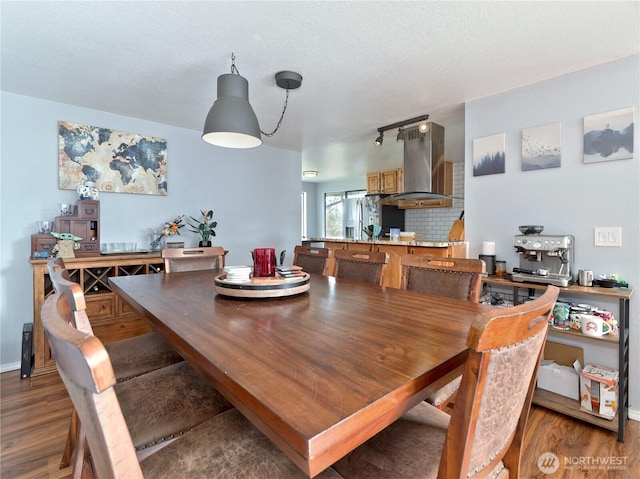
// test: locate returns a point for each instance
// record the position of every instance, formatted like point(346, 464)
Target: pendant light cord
point(234, 70)
point(286, 100)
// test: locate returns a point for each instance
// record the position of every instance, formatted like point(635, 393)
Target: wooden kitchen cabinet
point(393, 271)
point(111, 318)
point(373, 183)
point(387, 182)
point(392, 181)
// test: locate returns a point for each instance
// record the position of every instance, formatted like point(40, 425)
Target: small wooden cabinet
point(86, 225)
point(111, 318)
point(386, 182)
point(373, 183)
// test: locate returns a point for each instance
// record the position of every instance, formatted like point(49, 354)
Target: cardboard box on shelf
point(599, 391)
point(560, 369)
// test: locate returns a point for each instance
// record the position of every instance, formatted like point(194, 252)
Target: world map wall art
point(116, 161)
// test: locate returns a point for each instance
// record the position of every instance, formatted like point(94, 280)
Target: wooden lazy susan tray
point(262, 287)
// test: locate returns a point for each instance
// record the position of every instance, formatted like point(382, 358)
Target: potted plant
point(205, 227)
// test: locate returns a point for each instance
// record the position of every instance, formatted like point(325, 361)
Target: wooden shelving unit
point(566, 405)
point(111, 318)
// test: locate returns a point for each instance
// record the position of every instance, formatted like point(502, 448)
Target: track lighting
point(423, 127)
point(231, 122)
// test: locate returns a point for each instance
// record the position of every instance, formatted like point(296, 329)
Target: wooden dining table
point(320, 372)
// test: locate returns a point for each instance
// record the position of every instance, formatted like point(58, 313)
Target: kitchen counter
point(395, 250)
point(382, 241)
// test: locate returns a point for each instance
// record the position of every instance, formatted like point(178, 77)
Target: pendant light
point(231, 122)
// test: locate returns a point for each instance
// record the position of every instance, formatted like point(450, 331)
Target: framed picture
point(116, 161)
point(541, 147)
point(488, 155)
point(608, 136)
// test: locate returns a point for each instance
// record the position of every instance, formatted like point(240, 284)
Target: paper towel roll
point(488, 247)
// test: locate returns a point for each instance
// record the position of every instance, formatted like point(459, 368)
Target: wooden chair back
point(193, 259)
point(72, 299)
point(457, 278)
point(492, 407)
point(87, 373)
point(311, 259)
point(56, 264)
point(367, 266)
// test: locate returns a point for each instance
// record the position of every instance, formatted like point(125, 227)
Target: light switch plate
point(607, 236)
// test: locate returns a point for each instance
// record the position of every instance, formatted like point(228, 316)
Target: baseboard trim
point(10, 367)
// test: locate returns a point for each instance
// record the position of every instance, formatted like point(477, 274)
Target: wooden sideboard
point(111, 318)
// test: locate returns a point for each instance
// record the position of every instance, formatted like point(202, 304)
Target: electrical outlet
point(605, 236)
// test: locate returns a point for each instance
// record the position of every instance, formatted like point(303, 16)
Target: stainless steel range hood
point(423, 166)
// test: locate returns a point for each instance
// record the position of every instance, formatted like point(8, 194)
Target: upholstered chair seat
point(228, 446)
point(410, 448)
point(166, 403)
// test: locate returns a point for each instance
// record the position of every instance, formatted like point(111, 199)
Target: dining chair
point(312, 259)
point(225, 446)
point(158, 405)
point(367, 266)
point(193, 259)
point(130, 357)
point(483, 436)
point(457, 278)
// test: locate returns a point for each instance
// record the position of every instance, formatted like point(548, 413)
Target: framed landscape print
point(541, 147)
point(488, 155)
point(608, 136)
point(116, 161)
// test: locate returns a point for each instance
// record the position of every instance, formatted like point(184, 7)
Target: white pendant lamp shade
point(231, 122)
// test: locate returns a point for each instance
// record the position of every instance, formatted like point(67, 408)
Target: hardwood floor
point(34, 419)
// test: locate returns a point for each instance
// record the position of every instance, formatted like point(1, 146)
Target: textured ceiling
point(365, 64)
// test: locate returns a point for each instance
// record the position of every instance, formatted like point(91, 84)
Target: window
point(343, 213)
point(303, 208)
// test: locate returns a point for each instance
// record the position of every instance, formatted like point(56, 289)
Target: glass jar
point(501, 268)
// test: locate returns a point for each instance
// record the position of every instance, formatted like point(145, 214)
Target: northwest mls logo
point(548, 463)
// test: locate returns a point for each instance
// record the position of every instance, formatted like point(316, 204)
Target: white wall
point(255, 196)
point(572, 199)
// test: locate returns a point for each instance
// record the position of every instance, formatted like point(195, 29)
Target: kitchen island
point(395, 249)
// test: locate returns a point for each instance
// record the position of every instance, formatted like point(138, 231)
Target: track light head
point(400, 136)
point(379, 140)
point(423, 126)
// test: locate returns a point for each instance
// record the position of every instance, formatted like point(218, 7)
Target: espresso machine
point(545, 259)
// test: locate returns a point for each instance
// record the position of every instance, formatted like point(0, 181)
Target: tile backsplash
point(435, 223)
